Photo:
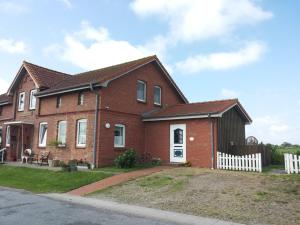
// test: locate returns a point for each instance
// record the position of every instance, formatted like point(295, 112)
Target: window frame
point(145, 91)
point(31, 96)
point(19, 101)
point(58, 101)
point(123, 137)
point(79, 145)
point(59, 132)
point(80, 100)
point(7, 137)
point(41, 145)
point(160, 95)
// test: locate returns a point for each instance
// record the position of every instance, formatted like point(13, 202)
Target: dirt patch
point(248, 198)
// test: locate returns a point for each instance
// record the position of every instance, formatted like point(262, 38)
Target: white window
point(141, 91)
point(157, 95)
point(32, 102)
point(43, 134)
point(58, 101)
point(7, 136)
point(80, 98)
point(119, 141)
point(21, 101)
point(62, 133)
point(81, 133)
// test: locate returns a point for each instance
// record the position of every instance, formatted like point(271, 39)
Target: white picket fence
point(244, 163)
point(292, 163)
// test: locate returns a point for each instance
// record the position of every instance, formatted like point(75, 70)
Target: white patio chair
point(26, 155)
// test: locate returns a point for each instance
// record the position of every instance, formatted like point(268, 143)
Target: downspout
point(95, 124)
point(212, 142)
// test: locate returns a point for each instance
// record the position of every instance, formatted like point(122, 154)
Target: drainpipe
point(95, 124)
point(212, 142)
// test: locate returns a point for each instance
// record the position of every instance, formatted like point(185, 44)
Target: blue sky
point(214, 49)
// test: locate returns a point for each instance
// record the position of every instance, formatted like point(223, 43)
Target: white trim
point(183, 117)
point(160, 93)
point(145, 91)
point(59, 132)
point(4, 103)
point(41, 144)
point(79, 145)
point(19, 98)
point(7, 137)
point(18, 123)
point(31, 96)
point(174, 146)
point(242, 110)
point(63, 91)
point(18, 74)
point(123, 136)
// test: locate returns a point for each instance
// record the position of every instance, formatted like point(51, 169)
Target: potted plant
point(83, 165)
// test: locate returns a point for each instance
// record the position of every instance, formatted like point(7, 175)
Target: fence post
point(259, 162)
point(296, 164)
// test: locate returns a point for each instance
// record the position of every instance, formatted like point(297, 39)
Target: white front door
point(178, 143)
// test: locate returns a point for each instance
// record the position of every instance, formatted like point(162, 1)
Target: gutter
point(92, 88)
point(212, 139)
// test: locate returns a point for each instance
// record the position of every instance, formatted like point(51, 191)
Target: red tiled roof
point(193, 109)
point(99, 75)
point(45, 78)
point(4, 98)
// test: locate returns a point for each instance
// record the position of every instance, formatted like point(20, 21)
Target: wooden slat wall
point(231, 128)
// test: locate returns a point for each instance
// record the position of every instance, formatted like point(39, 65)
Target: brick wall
point(198, 151)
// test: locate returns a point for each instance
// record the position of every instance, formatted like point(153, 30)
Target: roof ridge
point(116, 65)
point(42, 67)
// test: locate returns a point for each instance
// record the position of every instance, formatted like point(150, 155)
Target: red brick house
point(98, 114)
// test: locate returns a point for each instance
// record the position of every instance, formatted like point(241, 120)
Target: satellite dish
point(251, 141)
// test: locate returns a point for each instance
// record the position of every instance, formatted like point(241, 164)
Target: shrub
point(156, 161)
point(277, 157)
point(127, 159)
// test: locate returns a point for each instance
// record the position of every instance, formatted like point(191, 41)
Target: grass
point(292, 150)
point(116, 170)
point(268, 169)
point(43, 181)
point(244, 197)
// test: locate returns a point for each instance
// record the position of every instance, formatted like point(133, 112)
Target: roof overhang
point(19, 123)
point(17, 77)
point(183, 117)
point(4, 103)
point(202, 116)
point(66, 90)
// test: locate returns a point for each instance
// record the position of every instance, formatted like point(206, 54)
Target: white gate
point(291, 163)
point(244, 163)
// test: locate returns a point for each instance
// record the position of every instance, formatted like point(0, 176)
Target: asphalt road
point(24, 208)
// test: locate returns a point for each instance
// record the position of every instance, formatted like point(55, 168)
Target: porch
point(18, 137)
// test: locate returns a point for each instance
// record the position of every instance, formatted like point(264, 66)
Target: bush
point(156, 161)
point(127, 159)
point(277, 157)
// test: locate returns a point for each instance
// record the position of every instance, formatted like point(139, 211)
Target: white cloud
point(12, 46)
point(222, 60)
point(192, 20)
point(12, 7)
point(92, 48)
point(272, 129)
point(226, 93)
point(3, 86)
point(67, 3)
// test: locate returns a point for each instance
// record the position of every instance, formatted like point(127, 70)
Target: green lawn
point(42, 181)
point(116, 170)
